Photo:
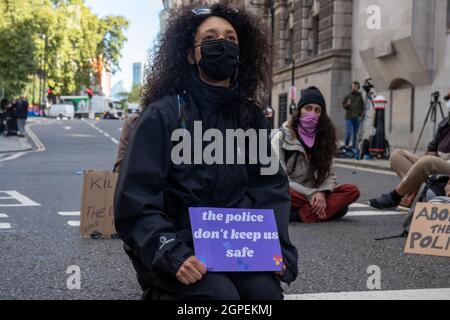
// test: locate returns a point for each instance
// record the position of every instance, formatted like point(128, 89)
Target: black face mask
point(220, 59)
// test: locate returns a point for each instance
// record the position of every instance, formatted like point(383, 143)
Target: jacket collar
point(291, 143)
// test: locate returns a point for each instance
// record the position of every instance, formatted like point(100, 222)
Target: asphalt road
point(39, 246)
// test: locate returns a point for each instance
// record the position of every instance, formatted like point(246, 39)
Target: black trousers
point(218, 286)
point(213, 286)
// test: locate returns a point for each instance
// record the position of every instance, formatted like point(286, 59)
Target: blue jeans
point(352, 130)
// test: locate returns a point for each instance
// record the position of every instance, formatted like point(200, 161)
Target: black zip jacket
point(443, 131)
point(153, 195)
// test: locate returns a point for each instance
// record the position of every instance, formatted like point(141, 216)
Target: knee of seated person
point(355, 192)
point(425, 162)
point(396, 155)
point(263, 286)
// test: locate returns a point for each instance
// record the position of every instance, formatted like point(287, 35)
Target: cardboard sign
point(97, 210)
point(230, 240)
point(430, 230)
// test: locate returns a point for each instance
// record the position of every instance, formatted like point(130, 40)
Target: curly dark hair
point(325, 147)
point(168, 69)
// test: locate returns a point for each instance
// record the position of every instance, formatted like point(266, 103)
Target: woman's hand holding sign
point(191, 271)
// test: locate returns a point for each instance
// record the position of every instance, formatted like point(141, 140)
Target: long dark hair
point(168, 69)
point(325, 147)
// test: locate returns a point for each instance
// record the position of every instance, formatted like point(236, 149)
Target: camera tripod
point(432, 113)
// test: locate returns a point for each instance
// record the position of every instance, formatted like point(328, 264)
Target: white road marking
point(69, 213)
point(4, 226)
point(22, 200)
point(13, 156)
point(350, 167)
point(421, 294)
point(103, 132)
point(374, 213)
point(2, 215)
point(68, 128)
point(359, 205)
point(74, 223)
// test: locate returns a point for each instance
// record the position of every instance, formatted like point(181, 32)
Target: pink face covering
point(307, 128)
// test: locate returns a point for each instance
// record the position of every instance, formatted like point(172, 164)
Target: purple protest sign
point(231, 240)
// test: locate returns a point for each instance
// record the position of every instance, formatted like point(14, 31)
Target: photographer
point(354, 106)
point(414, 171)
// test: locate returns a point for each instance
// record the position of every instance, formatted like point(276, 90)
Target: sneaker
point(385, 201)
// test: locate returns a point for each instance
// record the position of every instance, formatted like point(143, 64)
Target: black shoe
point(385, 201)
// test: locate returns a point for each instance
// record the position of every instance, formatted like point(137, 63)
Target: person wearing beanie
point(306, 145)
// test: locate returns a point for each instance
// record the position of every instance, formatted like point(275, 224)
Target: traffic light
point(90, 93)
point(50, 94)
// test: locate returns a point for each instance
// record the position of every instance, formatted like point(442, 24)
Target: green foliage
point(61, 38)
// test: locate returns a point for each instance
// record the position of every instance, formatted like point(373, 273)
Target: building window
point(282, 108)
point(315, 35)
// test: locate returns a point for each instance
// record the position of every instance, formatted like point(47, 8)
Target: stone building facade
point(313, 46)
point(330, 43)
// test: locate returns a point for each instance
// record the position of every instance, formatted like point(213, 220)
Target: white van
point(62, 111)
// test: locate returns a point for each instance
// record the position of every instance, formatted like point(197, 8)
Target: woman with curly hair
point(212, 66)
point(307, 145)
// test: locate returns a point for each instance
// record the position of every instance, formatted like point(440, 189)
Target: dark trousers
point(214, 286)
point(338, 202)
point(220, 286)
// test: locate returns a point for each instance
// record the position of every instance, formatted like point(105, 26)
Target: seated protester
point(306, 145)
point(414, 170)
point(210, 67)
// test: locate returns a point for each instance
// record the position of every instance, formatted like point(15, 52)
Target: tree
point(60, 40)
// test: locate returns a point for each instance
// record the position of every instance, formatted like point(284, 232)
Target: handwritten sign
point(228, 240)
point(430, 230)
point(97, 210)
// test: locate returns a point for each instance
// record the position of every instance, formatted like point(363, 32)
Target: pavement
point(13, 144)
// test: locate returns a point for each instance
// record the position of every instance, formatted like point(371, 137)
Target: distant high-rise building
point(137, 74)
point(117, 89)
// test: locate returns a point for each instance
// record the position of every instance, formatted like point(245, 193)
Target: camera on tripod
point(436, 96)
point(368, 86)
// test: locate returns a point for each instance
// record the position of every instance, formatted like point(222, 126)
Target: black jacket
point(22, 109)
point(153, 195)
point(441, 134)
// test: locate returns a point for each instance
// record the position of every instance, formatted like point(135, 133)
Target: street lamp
point(270, 6)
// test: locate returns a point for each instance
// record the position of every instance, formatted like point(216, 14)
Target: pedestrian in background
point(307, 146)
point(22, 115)
point(11, 119)
point(354, 106)
point(3, 103)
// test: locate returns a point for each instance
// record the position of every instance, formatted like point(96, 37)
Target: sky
point(143, 16)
